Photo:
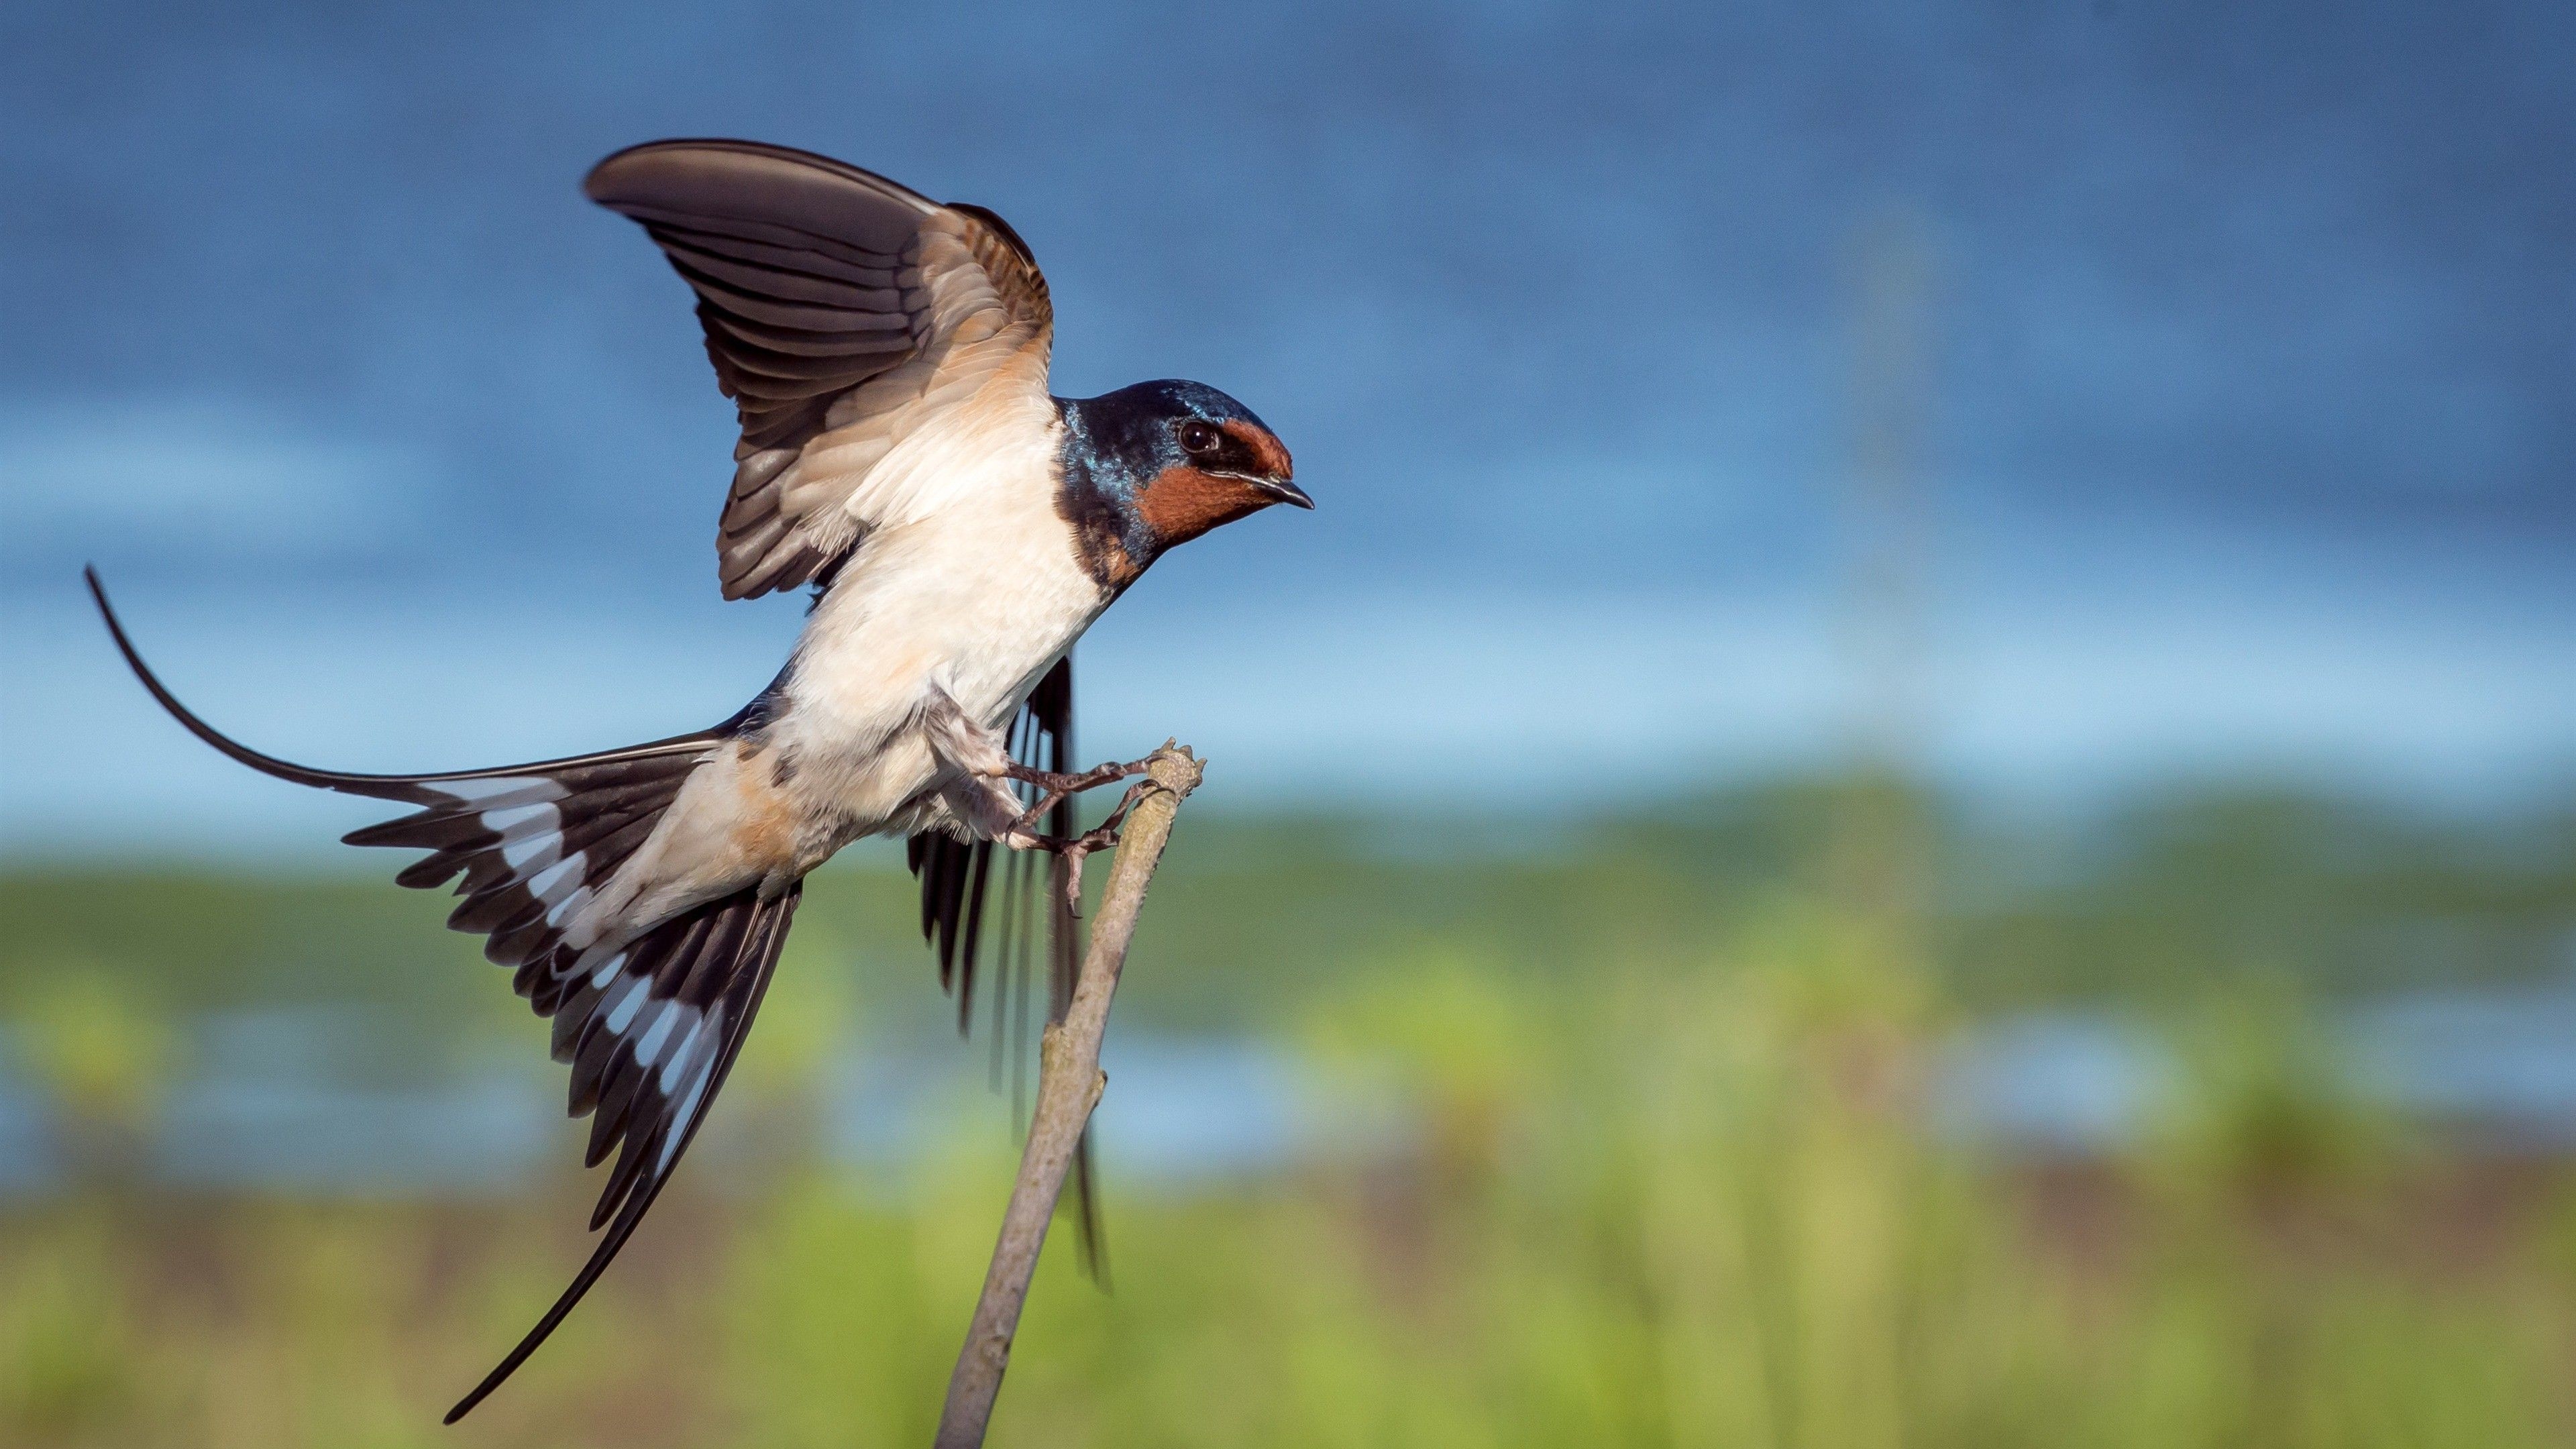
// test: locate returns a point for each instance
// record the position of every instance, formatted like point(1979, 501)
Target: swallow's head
point(1181, 458)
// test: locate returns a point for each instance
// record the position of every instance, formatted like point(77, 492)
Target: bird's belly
point(979, 615)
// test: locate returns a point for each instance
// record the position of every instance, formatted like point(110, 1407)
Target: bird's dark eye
point(1197, 437)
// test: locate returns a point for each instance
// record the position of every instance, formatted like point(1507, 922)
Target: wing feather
point(839, 308)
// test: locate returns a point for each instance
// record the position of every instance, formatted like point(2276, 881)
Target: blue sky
point(2247, 403)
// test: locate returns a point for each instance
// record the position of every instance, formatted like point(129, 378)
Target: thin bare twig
point(1069, 1086)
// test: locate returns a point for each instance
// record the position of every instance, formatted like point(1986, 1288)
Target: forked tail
point(649, 1026)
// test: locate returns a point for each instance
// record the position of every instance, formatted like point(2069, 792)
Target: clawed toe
point(1075, 848)
point(1058, 784)
point(1055, 787)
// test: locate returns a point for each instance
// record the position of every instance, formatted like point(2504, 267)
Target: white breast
point(977, 597)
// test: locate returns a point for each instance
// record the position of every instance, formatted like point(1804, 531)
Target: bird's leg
point(977, 796)
point(989, 808)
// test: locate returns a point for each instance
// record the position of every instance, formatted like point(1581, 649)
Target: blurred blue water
point(2056, 1082)
point(2240, 443)
point(2493, 1070)
point(336, 1102)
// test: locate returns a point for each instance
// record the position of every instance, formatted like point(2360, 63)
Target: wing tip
point(605, 182)
point(1009, 234)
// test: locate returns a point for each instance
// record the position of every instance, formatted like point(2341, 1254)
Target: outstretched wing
point(958, 894)
point(843, 314)
point(649, 1026)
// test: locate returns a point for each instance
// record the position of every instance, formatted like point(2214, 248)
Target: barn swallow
point(959, 527)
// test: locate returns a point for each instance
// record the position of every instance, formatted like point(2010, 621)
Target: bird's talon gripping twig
point(1075, 848)
point(1075, 852)
point(1054, 788)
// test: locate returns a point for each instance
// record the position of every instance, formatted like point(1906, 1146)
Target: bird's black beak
point(1285, 491)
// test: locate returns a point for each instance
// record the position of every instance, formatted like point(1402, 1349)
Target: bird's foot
point(1054, 788)
point(1075, 848)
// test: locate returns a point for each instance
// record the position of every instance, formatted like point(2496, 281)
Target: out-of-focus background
point(1916, 786)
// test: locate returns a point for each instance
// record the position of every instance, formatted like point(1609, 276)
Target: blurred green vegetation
point(1254, 915)
point(1668, 1179)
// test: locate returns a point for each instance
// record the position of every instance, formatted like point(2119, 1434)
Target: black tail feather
point(956, 879)
point(651, 1027)
point(732, 946)
point(384, 787)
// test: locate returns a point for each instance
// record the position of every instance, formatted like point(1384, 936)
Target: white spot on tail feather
point(556, 881)
point(624, 1011)
point(533, 851)
point(680, 1054)
point(659, 1032)
point(608, 969)
point(521, 820)
point(678, 1127)
point(555, 914)
point(501, 791)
